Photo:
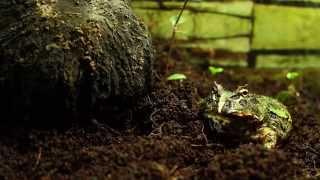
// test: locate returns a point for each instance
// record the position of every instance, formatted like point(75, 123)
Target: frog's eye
point(244, 92)
point(273, 116)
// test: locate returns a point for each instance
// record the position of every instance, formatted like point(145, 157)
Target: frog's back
point(276, 116)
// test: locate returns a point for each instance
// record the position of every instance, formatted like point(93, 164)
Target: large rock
point(59, 58)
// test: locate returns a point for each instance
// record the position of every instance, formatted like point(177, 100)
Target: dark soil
point(168, 141)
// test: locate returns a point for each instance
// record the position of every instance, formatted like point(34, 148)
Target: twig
point(157, 129)
point(308, 148)
point(152, 114)
point(104, 127)
point(173, 169)
point(38, 158)
point(311, 149)
point(207, 145)
point(7, 168)
point(148, 99)
point(204, 135)
point(175, 27)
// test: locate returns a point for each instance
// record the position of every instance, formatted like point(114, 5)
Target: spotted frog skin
point(240, 113)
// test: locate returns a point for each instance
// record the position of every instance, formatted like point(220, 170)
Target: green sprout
point(292, 75)
point(293, 87)
point(215, 70)
point(176, 77)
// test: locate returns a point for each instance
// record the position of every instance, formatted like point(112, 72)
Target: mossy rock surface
point(60, 58)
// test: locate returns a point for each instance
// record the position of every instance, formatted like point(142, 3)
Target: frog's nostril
point(226, 107)
point(243, 102)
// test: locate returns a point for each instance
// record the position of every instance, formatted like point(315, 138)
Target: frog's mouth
point(236, 113)
point(245, 115)
point(244, 121)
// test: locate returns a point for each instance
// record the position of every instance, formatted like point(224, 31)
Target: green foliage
point(176, 77)
point(215, 70)
point(288, 95)
point(292, 75)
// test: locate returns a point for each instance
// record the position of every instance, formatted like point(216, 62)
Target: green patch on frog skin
point(278, 111)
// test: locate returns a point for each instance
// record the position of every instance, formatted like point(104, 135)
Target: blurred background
point(260, 34)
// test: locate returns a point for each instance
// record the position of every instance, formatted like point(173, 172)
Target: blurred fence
point(262, 33)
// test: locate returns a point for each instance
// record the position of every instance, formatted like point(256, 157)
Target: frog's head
point(217, 98)
point(240, 103)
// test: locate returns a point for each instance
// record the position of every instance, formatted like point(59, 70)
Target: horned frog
point(245, 115)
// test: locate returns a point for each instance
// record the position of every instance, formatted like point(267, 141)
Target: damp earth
point(167, 141)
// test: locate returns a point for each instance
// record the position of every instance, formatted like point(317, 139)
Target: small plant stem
point(175, 27)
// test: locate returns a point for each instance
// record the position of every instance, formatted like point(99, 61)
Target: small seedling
point(215, 70)
point(293, 88)
point(292, 75)
point(176, 77)
point(295, 79)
